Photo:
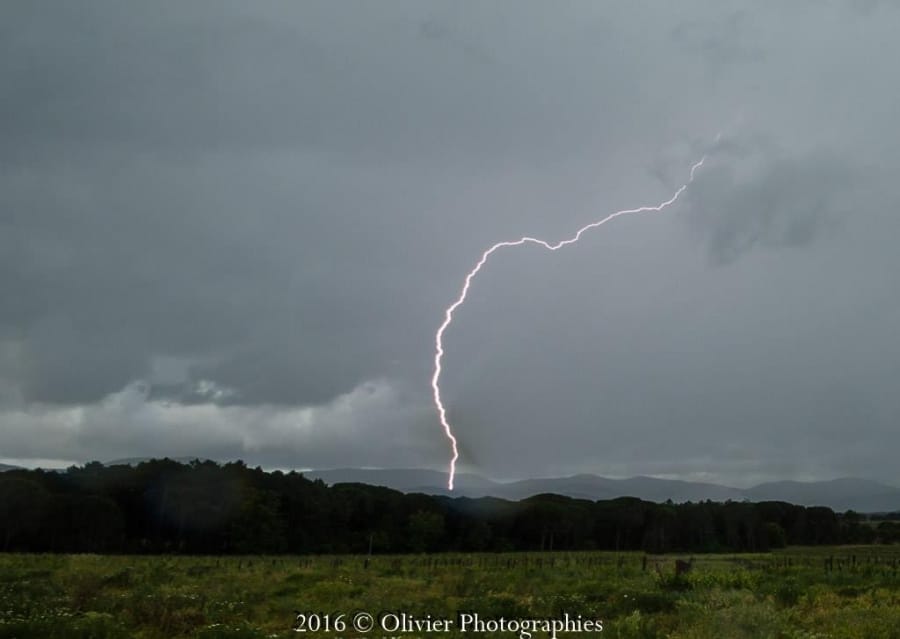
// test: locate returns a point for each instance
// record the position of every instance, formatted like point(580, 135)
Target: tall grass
point(796, 593)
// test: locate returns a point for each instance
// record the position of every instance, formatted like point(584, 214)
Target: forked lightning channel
point(467, 283)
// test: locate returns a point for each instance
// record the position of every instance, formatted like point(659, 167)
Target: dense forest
point(162, 506)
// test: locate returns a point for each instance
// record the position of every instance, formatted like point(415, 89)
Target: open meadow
point(794, 593)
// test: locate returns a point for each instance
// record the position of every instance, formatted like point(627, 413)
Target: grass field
point(796, 593)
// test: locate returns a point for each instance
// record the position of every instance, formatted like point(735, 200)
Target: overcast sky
point(230, 230)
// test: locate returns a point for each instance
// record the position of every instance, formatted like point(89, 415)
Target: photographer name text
point(400, 623)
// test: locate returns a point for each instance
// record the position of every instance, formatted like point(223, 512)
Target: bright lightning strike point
point(448, 314)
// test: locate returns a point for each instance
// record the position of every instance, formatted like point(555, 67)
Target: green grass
point(796, 593)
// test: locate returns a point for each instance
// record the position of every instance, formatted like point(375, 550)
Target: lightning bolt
point(448, 314)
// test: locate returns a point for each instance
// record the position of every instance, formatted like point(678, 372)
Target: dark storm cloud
point(234, 187)
point(721, 41)
point(270, 290)
point(231, 229)
point(761, 198)
point(170, 78)
point(438, 31)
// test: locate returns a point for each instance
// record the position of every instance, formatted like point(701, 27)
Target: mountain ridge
point(840, 494)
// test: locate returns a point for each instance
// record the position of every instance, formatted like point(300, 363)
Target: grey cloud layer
point(754, 198)
point(256, 210)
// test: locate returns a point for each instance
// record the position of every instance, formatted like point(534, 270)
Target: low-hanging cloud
point(130, 423)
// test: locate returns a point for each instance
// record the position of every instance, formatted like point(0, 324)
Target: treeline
point(163, 506)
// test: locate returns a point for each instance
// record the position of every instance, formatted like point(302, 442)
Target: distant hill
point(134, 461)
point(409, 480)
point(843, 494)
point(847, 493)
point(5, 467)
point(649, 488)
